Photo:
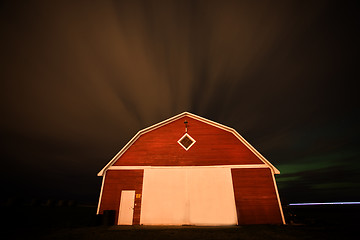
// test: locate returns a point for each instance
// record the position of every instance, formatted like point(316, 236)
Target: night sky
point(80, 79)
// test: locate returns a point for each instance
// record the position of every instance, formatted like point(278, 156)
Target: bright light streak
point(325, 203)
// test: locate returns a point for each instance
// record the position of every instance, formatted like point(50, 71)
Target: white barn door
point(126, 209)
point(164, 197)
point(211, 197)
point(194, 196)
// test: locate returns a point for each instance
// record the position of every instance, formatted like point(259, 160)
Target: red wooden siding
point(214, 146)
point(115, 182)
point(255, 196)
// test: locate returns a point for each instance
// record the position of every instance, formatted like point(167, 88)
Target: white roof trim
point(182, 167)
point(169, 120)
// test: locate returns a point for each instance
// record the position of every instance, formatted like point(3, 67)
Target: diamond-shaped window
point(186, 141)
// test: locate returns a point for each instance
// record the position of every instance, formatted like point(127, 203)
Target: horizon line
point(324, 203)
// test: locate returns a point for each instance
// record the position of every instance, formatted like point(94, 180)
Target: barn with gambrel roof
point(188, 170)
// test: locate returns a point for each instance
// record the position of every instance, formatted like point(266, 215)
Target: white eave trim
point(169, 120)
point(177, 167)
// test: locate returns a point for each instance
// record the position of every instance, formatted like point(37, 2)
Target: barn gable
point(210, 144)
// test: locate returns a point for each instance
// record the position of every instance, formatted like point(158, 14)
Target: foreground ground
point(80, 222)
point(242, 232)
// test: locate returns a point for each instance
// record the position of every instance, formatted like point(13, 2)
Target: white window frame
point(186, 135)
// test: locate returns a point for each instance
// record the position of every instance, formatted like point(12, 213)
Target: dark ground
point(61, 221)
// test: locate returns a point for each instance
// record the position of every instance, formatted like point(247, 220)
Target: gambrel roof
point(201, 119)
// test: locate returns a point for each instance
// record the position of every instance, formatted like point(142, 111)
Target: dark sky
point(79, 79)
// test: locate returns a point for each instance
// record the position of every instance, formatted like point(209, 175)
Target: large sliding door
point(195, 196)
point(164, 197)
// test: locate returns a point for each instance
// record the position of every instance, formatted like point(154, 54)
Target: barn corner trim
point(188, 114)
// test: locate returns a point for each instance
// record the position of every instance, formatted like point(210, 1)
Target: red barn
point(188, 170)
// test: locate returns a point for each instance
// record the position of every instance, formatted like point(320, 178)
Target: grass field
point(28, 222)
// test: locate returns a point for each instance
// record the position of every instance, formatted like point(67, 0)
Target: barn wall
point(255, 197)
point(115, 182)
point(214, 146)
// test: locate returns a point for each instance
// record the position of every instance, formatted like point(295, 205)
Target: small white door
point(126, 210)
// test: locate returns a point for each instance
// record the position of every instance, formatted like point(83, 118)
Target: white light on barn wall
point(186, 141)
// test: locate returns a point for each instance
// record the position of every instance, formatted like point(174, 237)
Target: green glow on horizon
point(287, 179)
point(334, 185)
point(315, 163)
